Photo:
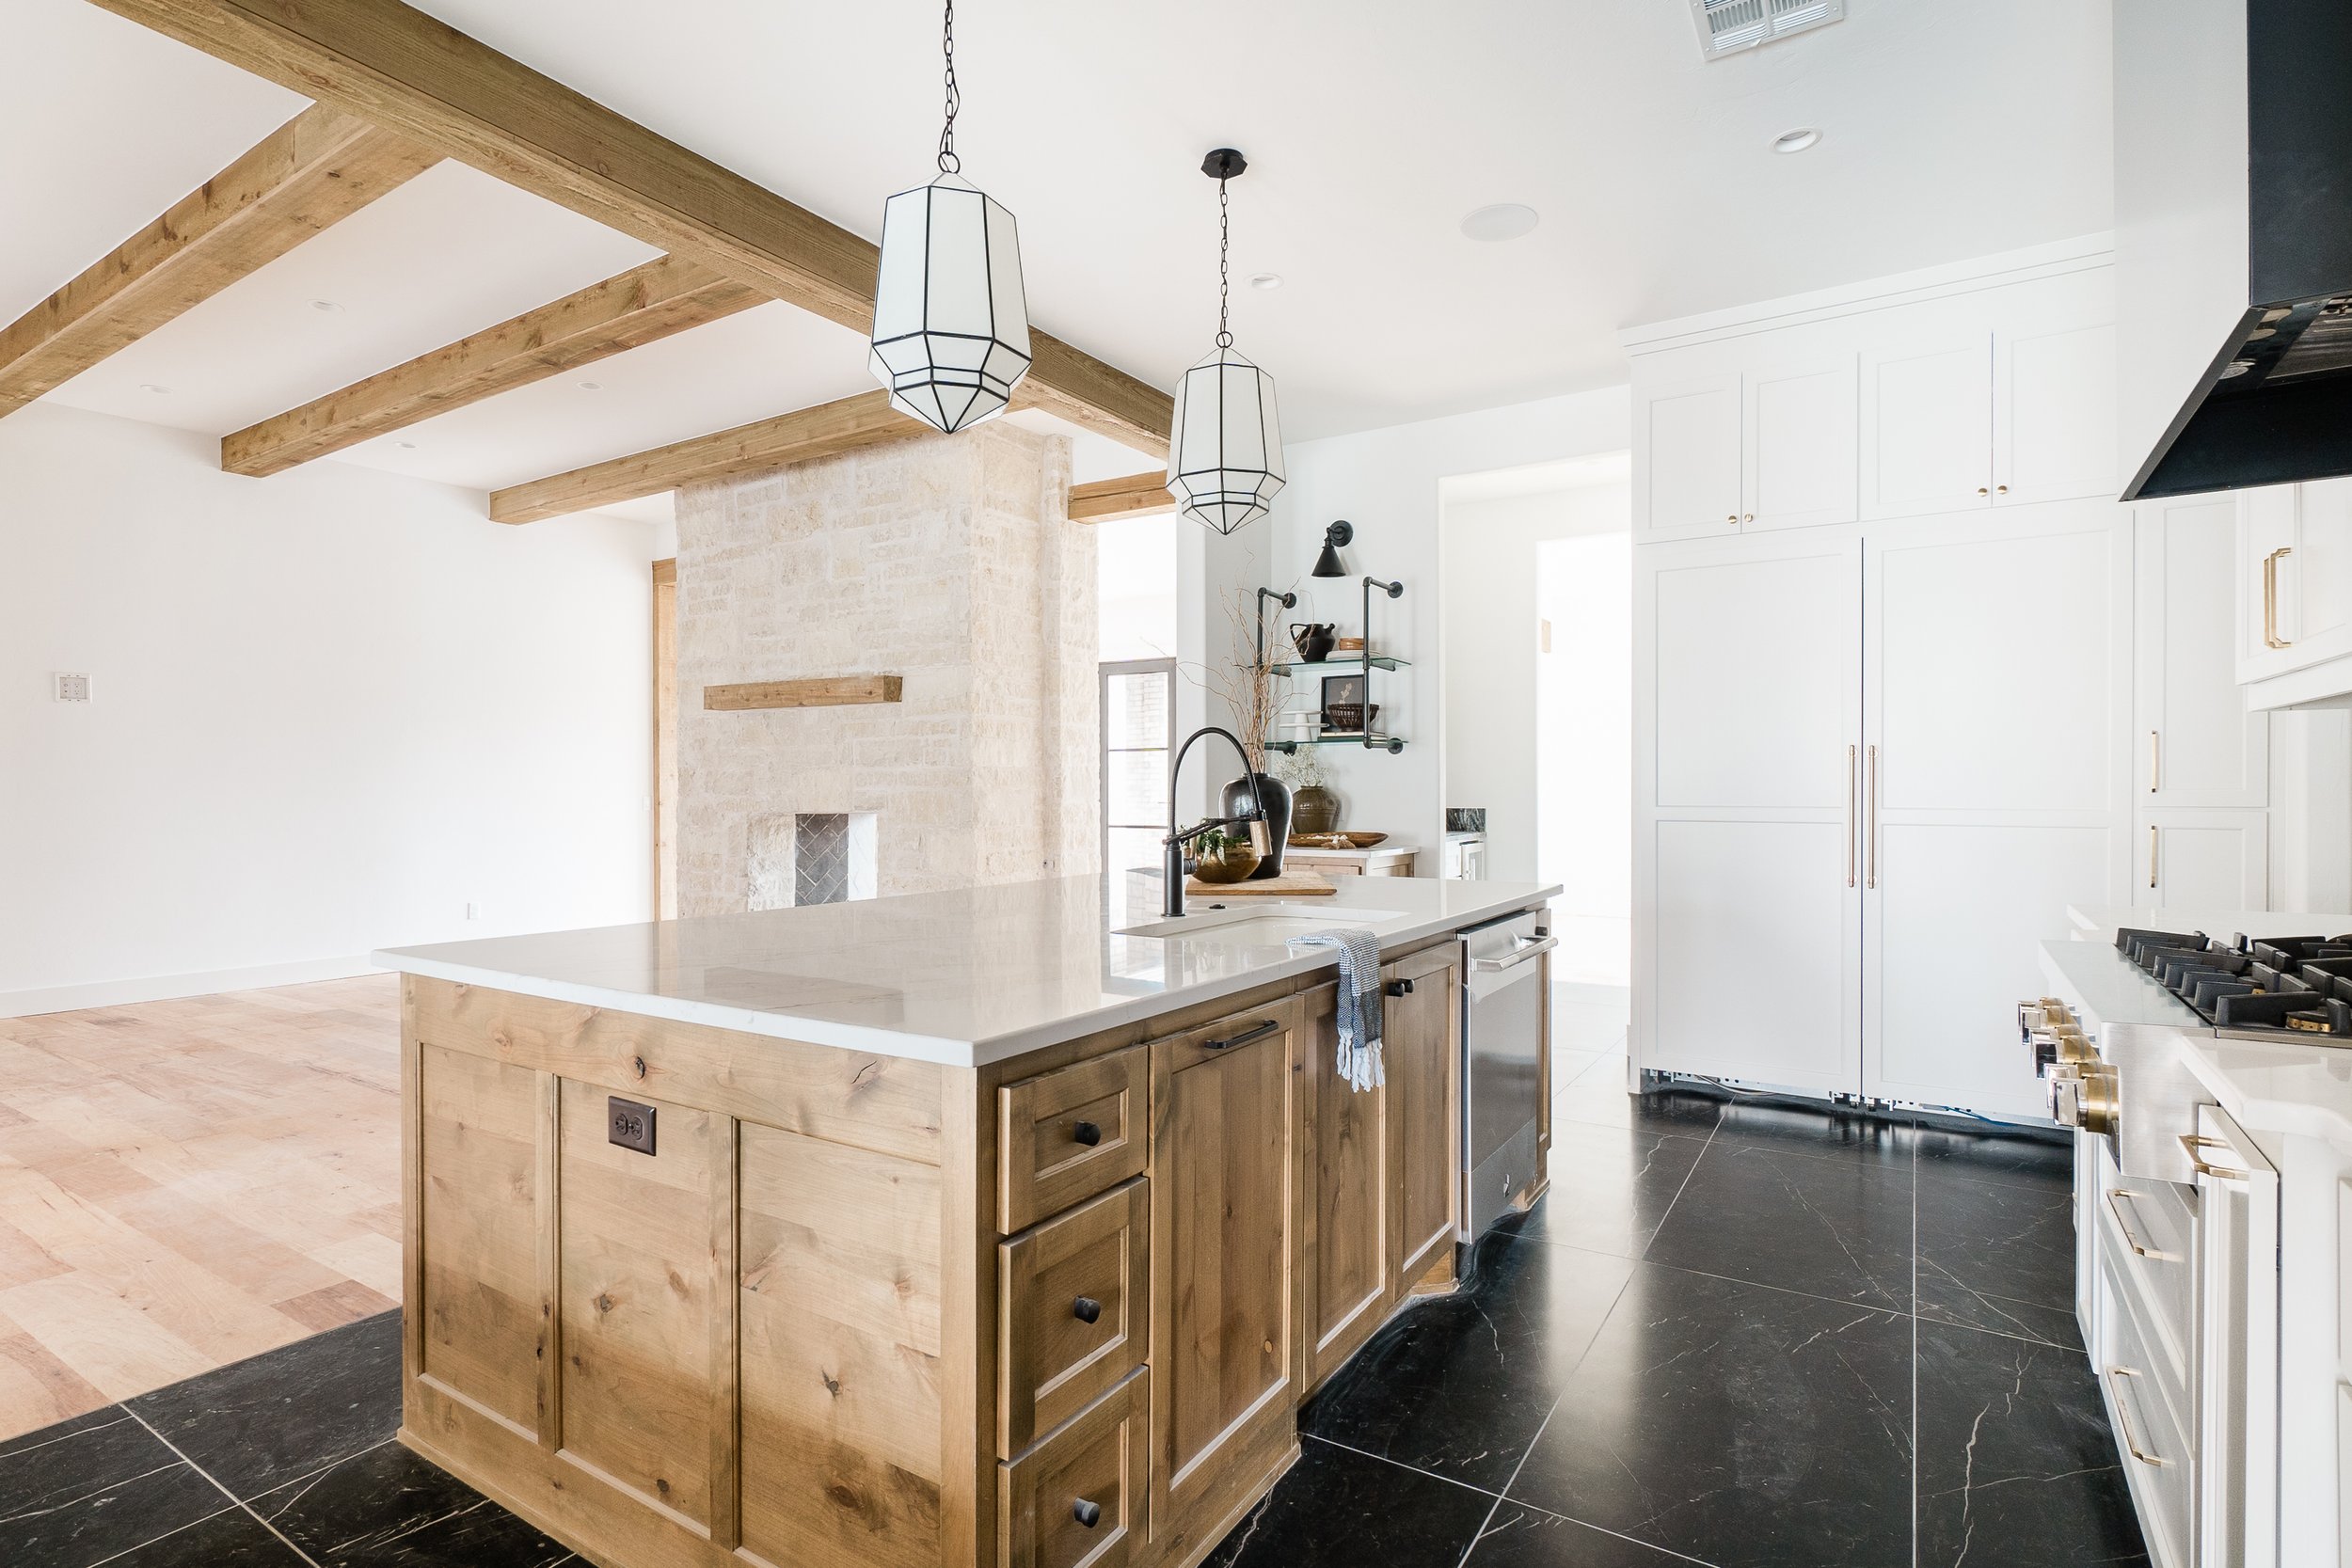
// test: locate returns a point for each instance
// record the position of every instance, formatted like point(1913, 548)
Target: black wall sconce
point(1327, 563)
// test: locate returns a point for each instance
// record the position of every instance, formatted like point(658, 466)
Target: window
point(1138, 730)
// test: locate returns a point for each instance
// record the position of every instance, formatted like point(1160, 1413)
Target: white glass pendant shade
point(1225, 450)
point(951, 324)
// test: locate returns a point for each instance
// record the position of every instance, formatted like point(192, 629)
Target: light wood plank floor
point(184, 1184)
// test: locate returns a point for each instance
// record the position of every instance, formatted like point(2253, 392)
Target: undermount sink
point(1258, 925)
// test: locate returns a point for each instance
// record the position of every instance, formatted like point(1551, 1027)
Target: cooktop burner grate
point(2284, 986)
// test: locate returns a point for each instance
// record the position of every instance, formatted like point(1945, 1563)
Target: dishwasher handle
point(1518, 957)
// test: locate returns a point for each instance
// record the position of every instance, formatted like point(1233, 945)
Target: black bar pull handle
point(1090, 1515)
point(1256, 1032)
point(1086, 1134)
point(1085, 1309)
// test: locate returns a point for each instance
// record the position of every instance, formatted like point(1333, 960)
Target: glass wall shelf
point(1376, 741)
point(1340, 661)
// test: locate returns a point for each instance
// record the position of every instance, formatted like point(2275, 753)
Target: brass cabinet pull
point(2270, 598)
point(1874, 877)
point(2155, 760)
point(2192, 1142)
point(2115, 1208)
point(2152, 854)
point(2124, 1416)
point(1733, 519)
point(2000, 489)
point(1849, 821)
point(1747, 517)
point(1982, 491)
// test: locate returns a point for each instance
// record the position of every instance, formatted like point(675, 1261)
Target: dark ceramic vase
point(1315, 810)
point(1235, 802)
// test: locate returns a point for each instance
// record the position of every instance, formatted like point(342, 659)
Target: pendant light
point(1225, 450)
point(951, 326)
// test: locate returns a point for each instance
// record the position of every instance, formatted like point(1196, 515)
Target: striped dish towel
point(1359, 1003)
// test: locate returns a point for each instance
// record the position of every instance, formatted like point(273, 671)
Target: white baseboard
point(165, 988)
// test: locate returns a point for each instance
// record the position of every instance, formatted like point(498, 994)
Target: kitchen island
point(1007, 1226)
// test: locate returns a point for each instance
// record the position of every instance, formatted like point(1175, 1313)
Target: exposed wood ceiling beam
point(1130, 497)
point(409, 72)
point(316, 169)
point(638, 307)
point(863, 421)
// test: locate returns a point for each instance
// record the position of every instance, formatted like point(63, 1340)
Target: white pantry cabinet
point(1768, 445)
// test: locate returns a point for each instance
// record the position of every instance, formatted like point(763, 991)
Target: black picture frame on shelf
point(1341, 690)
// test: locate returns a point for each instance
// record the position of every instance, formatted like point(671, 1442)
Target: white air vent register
point(1728, 27)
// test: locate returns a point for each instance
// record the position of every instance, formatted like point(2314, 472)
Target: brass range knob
point(2082, 1095)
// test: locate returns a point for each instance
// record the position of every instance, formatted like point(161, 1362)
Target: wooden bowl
point(1365, 841)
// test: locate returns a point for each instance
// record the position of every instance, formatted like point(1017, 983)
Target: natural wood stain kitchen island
point(1056, 1306)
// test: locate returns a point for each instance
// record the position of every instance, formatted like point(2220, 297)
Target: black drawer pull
point(1256, 1032)
point(1086, 1134)
point(1085, 1309)
point(1087, 1513)
point(1399, 987)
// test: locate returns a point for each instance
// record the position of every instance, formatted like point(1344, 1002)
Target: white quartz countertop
point(2110, 988)
point(1295, 851)
point(964, 977)
point(2105, 922)
point(2278, 1087)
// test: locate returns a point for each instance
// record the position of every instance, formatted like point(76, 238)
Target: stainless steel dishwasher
point(1503, 1003)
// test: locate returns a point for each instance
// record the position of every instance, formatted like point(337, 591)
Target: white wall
point(330, 709)
point(1387, 482)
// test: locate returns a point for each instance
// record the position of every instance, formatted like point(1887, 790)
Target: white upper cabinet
point(1773, 446)
point(2294, 582)
point(1691, 482)
point(2198, 747)
point(2000, 397)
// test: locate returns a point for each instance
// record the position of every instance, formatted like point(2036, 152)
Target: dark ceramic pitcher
point(1314, 638)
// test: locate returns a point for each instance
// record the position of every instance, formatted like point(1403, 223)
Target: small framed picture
point(1344, 702)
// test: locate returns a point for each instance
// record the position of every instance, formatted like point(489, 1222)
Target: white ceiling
point(1952, 131)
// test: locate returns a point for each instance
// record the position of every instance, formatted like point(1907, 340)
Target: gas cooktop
point(2279, 988)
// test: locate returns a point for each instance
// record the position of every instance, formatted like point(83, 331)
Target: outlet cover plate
point(630, 1124)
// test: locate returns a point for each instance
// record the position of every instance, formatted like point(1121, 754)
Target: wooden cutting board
point(1289, 884)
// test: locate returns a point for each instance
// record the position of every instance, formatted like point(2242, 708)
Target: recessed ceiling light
point(1797, 140)
point(329, 306)
point(1504, 220)
point(592, 385)
point(1267, 280)
point(406, 446)
point(150, 386)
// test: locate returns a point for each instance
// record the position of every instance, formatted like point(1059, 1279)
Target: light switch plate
point(71, 689)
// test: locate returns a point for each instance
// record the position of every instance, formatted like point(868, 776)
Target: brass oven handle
point(2152, 854)
point(2192, 1142)
point(2155, 760)
point(1874, 877)
point(2124, 1416)
point(1849, 821)
point(2125, 1226)
point(2270, 598)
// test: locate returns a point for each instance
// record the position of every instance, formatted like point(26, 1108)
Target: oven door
point(1506, 1019)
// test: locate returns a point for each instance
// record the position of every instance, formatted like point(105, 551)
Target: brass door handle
point(2124, 1416)
point(2115, 1208)
point(2270, 598)
point(2152, 854)
point(1873, 875)
point(2192, 1142)
point(2155, 760)
point(1849, 821)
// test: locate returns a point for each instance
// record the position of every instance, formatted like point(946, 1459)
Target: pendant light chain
point(1224, 272)
point(948, 162)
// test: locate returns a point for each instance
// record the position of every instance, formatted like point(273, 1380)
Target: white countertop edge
point(930, 1048)
point(2303, 1118)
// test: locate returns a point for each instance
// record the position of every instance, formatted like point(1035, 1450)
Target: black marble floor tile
point(386, 1507)
point(1991, 1154)
point(1522, 1537)
point(1339, 1509)
point(1459, 1384)
point(1784, 1127)
point(289, 1411)
point(59, 1516)
point(1611, 1186)
point(1607, 1105)
point(2016, 1465)
point(1738, 1425)
point(1836, 1228)
point(42, 1437)
point(231, 1540)
point(1997, 1256)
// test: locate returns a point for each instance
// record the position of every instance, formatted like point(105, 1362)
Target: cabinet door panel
point(2321, 574)
point(1801, 443)
point(2202, 860)
point(1691, 481)
point(2053, 414)
point(2265, 526)
point(2197, 745)
point(1927, 415)
point(1421, 1049)
point(1349, 1242)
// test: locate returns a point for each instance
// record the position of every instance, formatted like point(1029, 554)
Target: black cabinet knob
point(1087, 1513)
point(1085, 1309)
point(1399, 987)
point(1086, 1134)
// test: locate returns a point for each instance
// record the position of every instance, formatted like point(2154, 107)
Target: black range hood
point(2250, 104)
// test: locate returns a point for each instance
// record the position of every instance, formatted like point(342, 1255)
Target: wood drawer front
point(1075, 1311)
point(1047, 1165)
point(1097, 1462)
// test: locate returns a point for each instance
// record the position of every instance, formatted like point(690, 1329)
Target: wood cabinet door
point(1747, 669)
point(2195, 744)
point(1802, 428)
point(1225, 1259)
point(1350, 1281)
point(1927, 412)
point(1688, 479)
point(1995, 659)
point(1422, 1033)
